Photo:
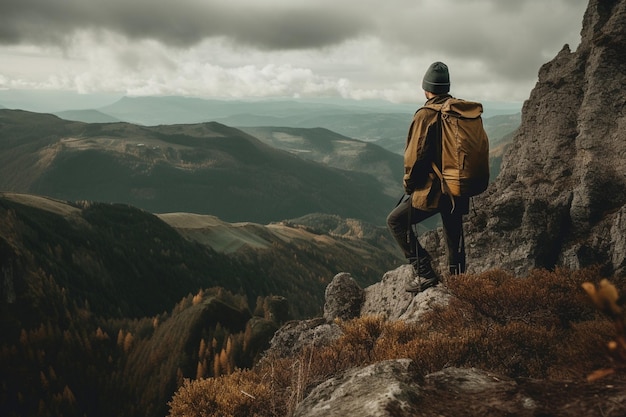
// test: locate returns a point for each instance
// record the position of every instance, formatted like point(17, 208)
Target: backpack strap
point(444, 186)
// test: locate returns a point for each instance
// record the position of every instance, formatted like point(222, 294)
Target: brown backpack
point(464, 148)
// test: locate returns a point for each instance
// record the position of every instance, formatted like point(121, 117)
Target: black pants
point(404, 216)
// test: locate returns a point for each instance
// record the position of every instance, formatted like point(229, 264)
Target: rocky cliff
point(560, 198)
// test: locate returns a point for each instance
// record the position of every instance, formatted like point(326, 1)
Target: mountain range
point(380, 122)
point(83, 256)
point(206, 168)
point(385, 124)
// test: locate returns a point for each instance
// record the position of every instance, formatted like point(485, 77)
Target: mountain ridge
point(384, 124)
point(205, 168)
point(81, 233)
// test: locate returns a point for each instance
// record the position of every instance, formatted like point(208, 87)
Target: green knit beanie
point(437, 79)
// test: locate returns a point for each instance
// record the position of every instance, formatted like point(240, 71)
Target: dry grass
point(242, 393)
point(540, 326)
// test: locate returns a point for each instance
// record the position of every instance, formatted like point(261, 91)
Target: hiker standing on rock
point(429, 191)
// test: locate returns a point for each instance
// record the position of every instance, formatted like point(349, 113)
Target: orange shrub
point(240, 394)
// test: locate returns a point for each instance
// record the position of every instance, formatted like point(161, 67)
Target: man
point(423, 147)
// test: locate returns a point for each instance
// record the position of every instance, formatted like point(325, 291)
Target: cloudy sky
point(358, 49)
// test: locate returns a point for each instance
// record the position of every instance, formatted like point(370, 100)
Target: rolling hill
point(112, 255)
point(336, 151)
point(87, 116)
point(203, 168)
point(105, 308)
point(382, 123)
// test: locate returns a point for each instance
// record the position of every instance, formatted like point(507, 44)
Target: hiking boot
point(425, 276)
point(419, 284)
point(423, 267)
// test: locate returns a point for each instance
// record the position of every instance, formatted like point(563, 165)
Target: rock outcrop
point(392, 389)
point(385, 298)
point(369, 391)
point(560, 198)
point(388, 388)
point(396, 388)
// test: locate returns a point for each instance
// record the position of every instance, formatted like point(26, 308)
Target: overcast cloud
point(289, 48)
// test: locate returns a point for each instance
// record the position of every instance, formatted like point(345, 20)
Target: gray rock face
point(561, 193)
point(374, 390)
point(392, 388)
point(387, 297)
point(294, 336)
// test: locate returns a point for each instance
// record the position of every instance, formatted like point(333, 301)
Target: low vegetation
point(540, 326)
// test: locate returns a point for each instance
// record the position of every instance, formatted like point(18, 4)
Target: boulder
point(344, 298)
point(394, 388)
point(294, 336)
point(382, 389)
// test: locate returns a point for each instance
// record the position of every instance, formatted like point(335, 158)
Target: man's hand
point(408, 187)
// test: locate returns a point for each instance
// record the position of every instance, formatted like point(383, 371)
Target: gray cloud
point(360, 48)
point(478, 28)
point(509, 37)
point(294, 29)
point(180, 23)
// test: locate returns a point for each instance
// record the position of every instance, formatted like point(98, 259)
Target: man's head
point(437, 79)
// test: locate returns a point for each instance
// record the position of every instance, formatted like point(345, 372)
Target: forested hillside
point(105, 308)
